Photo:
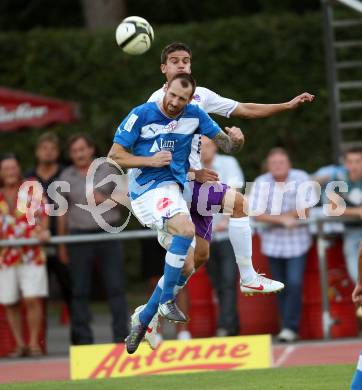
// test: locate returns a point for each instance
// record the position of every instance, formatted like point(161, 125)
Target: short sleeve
point(207, 126)
point(216, 104)
point(129, 130)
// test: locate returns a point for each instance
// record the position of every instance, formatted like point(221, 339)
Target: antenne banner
point(224, 353)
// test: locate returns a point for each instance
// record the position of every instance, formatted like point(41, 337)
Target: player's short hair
point(185, 79)
point(84, 136)
point(278, 150)
point(49, 136)
point(352, 150)
point(171, 48)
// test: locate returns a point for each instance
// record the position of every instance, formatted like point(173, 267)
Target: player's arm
point(230, 141)
point(357, 292)
point(256, 110)
point(122, 157)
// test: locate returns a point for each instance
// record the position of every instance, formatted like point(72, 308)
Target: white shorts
point(155, 206)
point(25, 280)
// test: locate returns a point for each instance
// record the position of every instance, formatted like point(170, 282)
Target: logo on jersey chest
point(197, 98)
point(162, 144)
point(171, 126)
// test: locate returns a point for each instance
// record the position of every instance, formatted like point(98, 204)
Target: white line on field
point(284, 356)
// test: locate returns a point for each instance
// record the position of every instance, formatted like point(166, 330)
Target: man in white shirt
point(176, 58)
point(276, 199)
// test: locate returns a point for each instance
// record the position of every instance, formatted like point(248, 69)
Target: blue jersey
point(146, 131)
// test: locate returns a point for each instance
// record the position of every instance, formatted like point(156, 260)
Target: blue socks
point(174, 262)
point(175, 258)
point(152, 305)
point(357, 378)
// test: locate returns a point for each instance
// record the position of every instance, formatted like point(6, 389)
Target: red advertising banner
point(20, 109)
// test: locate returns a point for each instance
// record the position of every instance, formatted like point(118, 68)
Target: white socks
point(241, 240)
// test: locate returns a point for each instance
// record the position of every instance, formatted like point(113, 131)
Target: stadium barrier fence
point(321, 235)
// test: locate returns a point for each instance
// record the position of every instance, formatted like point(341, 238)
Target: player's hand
point(161, 159)
point(357, 295)
point(235, 135)
point(204, 175)
point(300, 99)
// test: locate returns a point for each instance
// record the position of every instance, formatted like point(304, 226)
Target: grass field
point(331, 377)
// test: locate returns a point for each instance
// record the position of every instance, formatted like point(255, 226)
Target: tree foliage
point(25, 14)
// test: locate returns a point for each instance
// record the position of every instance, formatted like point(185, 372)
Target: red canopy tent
point(21, 109)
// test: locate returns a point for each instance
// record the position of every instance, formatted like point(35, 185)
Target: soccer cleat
point(136, 334)
point(152, 336)
point(261, 285)
point(171, 312)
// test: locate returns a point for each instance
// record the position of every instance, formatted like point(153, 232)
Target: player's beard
point(173, 110)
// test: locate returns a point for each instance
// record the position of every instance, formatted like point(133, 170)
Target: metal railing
point(321, 239)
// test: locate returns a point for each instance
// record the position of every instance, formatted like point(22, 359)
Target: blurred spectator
point(351, 174)
point(222, 266)
point(22, 269)
point(283, 242)
point(81, 256)
point(47, 170)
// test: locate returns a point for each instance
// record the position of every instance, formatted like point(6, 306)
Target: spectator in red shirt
point(22, 269)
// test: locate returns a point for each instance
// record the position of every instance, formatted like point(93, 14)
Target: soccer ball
point(134, 35)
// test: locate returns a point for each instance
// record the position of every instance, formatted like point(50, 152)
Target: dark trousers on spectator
point(223, 272)
point(62, 273)
point(289, 271)
point(82, 257)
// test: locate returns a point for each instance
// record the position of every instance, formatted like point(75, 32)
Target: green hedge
point(264, 58)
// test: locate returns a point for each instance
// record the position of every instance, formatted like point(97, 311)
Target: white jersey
point(210, 102)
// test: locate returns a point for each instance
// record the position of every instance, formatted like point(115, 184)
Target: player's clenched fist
point(160, 159)
point(235, 135)
point(300, 99)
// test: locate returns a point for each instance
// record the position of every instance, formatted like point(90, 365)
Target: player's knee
point(240, 206)
point(187, 230)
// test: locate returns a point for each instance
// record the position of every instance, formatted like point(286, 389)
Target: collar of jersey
point(167, 117)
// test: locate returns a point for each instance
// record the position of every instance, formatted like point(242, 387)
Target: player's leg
point(240, 234)
point(162, 299)
point(183, 231)
point(203, 229)
point(202, 252)
point(171, 214)
point(152, 336)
